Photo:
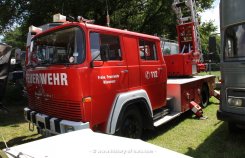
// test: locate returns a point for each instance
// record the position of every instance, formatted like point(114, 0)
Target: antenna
point(62, 10)
point(107, 15)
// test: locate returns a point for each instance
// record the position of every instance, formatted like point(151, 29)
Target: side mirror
point(104, 52)
point(212, 44)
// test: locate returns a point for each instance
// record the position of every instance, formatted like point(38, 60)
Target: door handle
point(124, 71)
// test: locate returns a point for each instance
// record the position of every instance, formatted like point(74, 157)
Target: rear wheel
point(131, 125)
point(205, 95)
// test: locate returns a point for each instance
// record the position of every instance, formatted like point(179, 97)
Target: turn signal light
point(87, 100)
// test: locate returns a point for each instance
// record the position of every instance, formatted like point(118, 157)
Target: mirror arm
point(92, 62)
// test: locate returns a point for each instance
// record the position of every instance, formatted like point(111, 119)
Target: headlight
point(234, 101)
point(68, 128)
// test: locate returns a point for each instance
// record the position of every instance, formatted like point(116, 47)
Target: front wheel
point(131, 125)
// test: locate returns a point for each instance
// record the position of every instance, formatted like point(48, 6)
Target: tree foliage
point(146, 16)
point(207, 29)
point(15, 38)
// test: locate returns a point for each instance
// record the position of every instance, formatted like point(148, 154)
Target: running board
point(164, 111)
point(166, 118)
point(170, 101)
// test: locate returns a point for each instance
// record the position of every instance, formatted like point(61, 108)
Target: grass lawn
point(215, 73)
point(186, 134)
point(13, 126)
point(200, 138)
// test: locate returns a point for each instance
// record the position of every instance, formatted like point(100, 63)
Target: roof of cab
point(101, 28)
point(115, 30)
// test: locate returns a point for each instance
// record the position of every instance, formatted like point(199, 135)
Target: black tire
point(233, 128)
point(205, 95)
point(131, 125)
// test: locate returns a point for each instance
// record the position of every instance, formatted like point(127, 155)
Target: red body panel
point(57, 98)
point(192, 91)
point(186, 90)
point(179, 64)
point(182, 64)
point(201, 67)
point(130, 46)
point(152, 84)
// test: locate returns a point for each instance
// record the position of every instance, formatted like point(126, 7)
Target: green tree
point(146, 16)
point(15, 38)
point(207, 29)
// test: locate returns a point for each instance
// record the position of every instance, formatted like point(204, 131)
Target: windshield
point(66, 46)
point(169, 48)
point(234, 44)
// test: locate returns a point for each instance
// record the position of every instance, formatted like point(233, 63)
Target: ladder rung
point(185, 18)
point(180, 4)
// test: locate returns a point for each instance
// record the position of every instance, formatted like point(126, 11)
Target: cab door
point(108, 78)
point(152, 72)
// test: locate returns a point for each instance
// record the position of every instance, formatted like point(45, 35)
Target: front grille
point(63, 109)
point(235, 92)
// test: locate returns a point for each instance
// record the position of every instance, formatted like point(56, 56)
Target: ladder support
point(180, 6)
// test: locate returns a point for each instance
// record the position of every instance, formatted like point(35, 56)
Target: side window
point(147, 50)
point(111, 42)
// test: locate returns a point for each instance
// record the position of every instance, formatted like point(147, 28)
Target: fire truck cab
point(82, 75)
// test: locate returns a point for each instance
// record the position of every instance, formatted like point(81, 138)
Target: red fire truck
point(80, 75)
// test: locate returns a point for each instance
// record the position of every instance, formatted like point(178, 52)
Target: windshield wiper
point(45, 62)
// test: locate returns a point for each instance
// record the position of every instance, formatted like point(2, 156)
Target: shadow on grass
point(151, 134)
point(15, 103)
point(221, 144)
point(15, 115)
point(19, 140)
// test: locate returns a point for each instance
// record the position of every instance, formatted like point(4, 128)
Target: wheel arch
point(205, 89)
point(136, 99)
point(141, 105)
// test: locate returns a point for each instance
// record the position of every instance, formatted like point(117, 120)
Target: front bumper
point(231, 117)
point(51, 124)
